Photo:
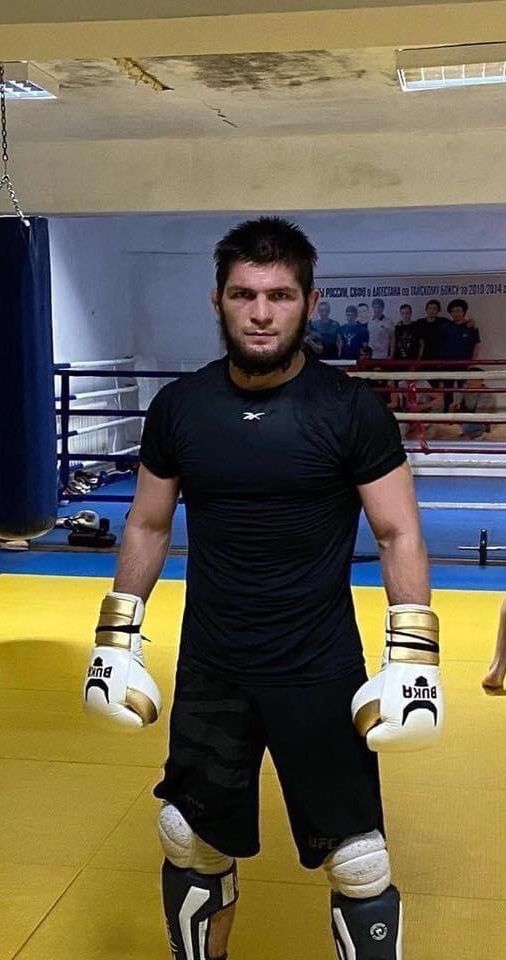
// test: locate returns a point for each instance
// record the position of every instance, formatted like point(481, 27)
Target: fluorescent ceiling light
point(436, 68)
point(25, 81)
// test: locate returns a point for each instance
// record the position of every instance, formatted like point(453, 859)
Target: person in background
point(460, 341)
point(461, 337)
point(363, 313)
point(429, 330)
point(381, 331)
point(323, 333)
point(406, 338)
point(494, 679)
point(471, 402)
point(352, 335)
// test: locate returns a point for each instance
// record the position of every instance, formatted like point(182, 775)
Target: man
point(468, 401)
point(363, 313)
point(323, 333)
point(406, 339)
point(429, 330)
point(381, 331)
point(461, 338)
point(415, 399)
point(352, 335)
point(275, 453)
point(460, 341)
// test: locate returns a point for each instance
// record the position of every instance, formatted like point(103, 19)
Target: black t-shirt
point(407, 341)
point(431, 332)
point(270, 480)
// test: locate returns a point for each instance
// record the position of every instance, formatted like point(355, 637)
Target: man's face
point(350, 316)
point(324, 310)
point(458, 315)
point(363, 314)
point(377, 311)
point(263, 315)
point(431, 311)
point(405, 314)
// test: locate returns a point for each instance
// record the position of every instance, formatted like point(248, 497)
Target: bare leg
point(220, 927)
point(495, 677)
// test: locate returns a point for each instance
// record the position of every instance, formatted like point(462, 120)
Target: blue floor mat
point(443, 576)
point(461, 489)
point(444, 530)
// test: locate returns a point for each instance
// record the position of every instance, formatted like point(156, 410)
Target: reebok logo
point(96, 674)
point(421, 697)
point(252, 416)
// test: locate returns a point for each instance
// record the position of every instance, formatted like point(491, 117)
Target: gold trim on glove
point(367, 717)
point(422, 623)
point(140, 704)
point(413, 637)
point(115, 612)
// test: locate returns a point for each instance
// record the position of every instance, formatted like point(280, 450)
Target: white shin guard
point(184, 848)
point(359, 867)
point(366, 909)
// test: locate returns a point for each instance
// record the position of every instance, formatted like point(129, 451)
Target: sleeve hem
point(381, 469)
point(157, 471)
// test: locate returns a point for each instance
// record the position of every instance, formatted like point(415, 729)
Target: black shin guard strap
point(190, 899)
point(368, 929)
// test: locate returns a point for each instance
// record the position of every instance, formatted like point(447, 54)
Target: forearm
point(405, 568)
point(142, 555)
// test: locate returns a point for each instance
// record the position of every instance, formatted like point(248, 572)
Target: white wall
point(141, 283)
point(92, 318)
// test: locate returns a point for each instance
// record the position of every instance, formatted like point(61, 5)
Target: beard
point(255, 365)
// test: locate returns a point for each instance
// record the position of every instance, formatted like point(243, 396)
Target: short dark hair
point(438, 304)
point(458, 303)
point(363, 305)
point(378, 302)
point(266, 240)
point(406, 306)
point(351, 308)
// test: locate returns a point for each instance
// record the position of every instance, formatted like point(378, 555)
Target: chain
point(3, 112)
point(5, 180)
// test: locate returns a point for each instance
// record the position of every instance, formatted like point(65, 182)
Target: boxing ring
point(459, 482)
point(93, 826)
point(464, 521)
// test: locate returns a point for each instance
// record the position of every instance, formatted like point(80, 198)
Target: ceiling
point(57, 11)
point(246, 95)
point(171, 92)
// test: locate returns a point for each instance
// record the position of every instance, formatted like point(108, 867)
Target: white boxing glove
point(401, 707)
point(117, 685)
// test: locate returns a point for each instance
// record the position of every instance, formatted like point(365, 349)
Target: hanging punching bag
point(28, 478)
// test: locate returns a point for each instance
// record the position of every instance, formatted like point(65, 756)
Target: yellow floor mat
point(79, 857)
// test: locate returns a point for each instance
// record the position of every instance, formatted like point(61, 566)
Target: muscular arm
point(146, 539)
point(391, 508)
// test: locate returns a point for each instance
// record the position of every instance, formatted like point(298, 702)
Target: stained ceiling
point(248, 95)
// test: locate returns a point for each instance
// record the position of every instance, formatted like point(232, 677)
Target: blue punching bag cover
point(28, 475)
